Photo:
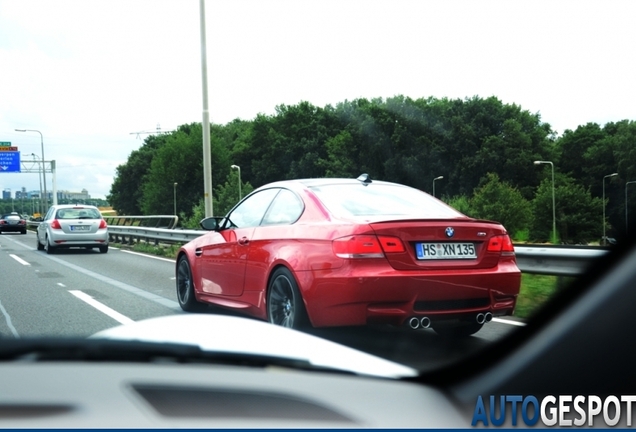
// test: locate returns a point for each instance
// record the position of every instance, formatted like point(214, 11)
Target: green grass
point(535, 291)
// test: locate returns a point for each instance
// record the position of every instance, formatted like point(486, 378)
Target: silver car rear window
point(78, 213)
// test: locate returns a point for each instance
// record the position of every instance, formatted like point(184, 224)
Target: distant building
point(6, 194)
point(21, 194)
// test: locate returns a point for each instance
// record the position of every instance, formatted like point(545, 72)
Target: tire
point(40, 246)
point(185, 287)
point(285, 306)
point(460, 330)
point(47, 246)
point(23, 232)
point(102, 249)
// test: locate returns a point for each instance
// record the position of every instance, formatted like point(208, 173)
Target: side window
point(250, 212)
point(286, 209)
point(49, 214)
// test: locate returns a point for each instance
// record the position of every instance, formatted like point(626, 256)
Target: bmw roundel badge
point(450, 232)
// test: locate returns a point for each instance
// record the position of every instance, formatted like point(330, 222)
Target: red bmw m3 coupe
point(346, 252)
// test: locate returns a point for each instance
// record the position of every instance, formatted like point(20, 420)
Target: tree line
point(484, 149)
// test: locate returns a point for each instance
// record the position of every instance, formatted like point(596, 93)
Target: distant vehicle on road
point(67, 226)
point(13, 222)
point(346, 252)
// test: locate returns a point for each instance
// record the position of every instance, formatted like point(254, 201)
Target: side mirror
point(213, 223)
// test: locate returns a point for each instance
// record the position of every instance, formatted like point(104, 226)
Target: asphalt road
point(76, 293)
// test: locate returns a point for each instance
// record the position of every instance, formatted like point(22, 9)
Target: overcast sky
point(89, 74)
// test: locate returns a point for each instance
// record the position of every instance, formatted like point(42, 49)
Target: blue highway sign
point(10, 161)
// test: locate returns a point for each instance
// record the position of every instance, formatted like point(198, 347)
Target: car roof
point(317, 182)
point(67, 206)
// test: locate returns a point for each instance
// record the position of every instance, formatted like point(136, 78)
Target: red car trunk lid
point(441, 244)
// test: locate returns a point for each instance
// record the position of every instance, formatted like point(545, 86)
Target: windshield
point(498, 136)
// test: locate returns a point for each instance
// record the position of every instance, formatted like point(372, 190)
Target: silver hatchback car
point(67, 226)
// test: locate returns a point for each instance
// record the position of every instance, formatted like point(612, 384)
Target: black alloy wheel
point(285, 306)
point(185, 288)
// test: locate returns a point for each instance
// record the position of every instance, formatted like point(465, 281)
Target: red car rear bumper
point(350, 296)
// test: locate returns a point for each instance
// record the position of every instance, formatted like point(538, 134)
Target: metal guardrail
point(156, 221)
point(129, 234)
point(554, 260)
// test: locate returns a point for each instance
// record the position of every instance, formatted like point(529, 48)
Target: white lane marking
point(9, 323)
point(504, 321)
point(121, 285)
point(149, 256)
point(20, 260)
point(61, 284)
point(102, 307)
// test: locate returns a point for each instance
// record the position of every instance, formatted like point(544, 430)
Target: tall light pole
point(236, 167)
point(626, 220)
point(43, 171)
point(207, 151)
point(607, 176)
point(554, 236)
point(434, 180)
point(175, 197)
point(40, 174)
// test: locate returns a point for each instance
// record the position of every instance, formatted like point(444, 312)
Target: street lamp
point(43, 171)
point(175, 197)
point(626, 221)
point(554, 236)
point(434, 180)
point(40, 174)
point(236, 167)
point(607, 176)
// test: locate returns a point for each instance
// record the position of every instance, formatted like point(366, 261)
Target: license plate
point(424, 251)
point(80, 228)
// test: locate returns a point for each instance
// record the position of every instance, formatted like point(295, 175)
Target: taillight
point(391, 244)
point(501, 243)
point(357, 246)
point(56, 224)
point(102, 224)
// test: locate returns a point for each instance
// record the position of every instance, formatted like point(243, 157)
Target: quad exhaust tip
point(415, 322)
point(484, 317)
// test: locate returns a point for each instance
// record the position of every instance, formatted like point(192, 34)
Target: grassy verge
point(535, 291)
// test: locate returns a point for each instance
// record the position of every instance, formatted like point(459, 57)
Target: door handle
point(243, 241)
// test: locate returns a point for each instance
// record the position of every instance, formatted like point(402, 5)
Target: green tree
point(126, 192)
point(498, 201)
point(578, 214)
point(180, 161)
point(461, 203)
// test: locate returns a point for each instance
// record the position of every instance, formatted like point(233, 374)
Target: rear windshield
point(358, 201)
point(78, 213)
